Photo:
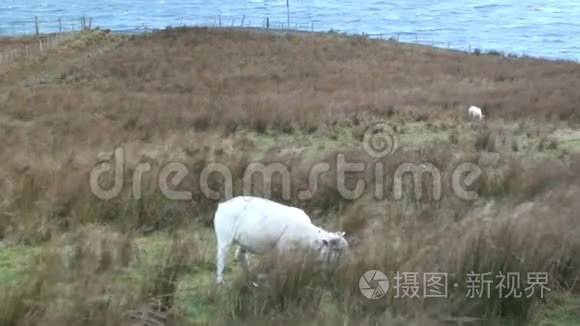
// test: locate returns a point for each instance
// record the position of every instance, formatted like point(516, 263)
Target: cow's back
point(257, 224)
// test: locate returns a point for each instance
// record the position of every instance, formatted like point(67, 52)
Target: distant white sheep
point(257, 225)
point(475, 112)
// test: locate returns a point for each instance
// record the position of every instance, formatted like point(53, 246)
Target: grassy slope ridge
point(202, 95)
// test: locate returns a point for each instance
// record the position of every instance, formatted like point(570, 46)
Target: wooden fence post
point(288, 12)
point(268, 22)
point(243, 18)
point(36, 27)
point(60, 24)
point(90, 22)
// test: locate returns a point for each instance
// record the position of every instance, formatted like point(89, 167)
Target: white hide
point(257, 225)
point(475, 112)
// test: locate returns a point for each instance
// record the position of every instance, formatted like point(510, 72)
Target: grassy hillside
point(199, 96)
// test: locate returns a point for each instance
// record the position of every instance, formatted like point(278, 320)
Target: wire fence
point(36, 48)
point(279, 23)
point(67, 27)
point(48, 34)
point(37, 26)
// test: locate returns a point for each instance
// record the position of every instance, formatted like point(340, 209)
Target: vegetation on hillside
point(198, 96)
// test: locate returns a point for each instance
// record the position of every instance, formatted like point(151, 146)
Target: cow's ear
point(325, 242)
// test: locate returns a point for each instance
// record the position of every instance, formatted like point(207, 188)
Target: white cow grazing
point(257, 225)
point(475, 112)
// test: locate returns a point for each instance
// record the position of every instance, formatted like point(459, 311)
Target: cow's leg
point(242, 258)
point(222, 251)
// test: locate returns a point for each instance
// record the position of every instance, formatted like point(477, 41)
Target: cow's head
point(333, 246)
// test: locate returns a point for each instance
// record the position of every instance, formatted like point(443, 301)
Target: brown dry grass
point(199, 79)
point(200, 95)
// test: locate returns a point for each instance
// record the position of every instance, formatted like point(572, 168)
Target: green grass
point(16, 262)
point(311, 147)
point(193, 296)
point(196, 295)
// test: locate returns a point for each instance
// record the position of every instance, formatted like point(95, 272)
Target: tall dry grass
point(147, 87)
point(534, 236)
point(193, 95)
